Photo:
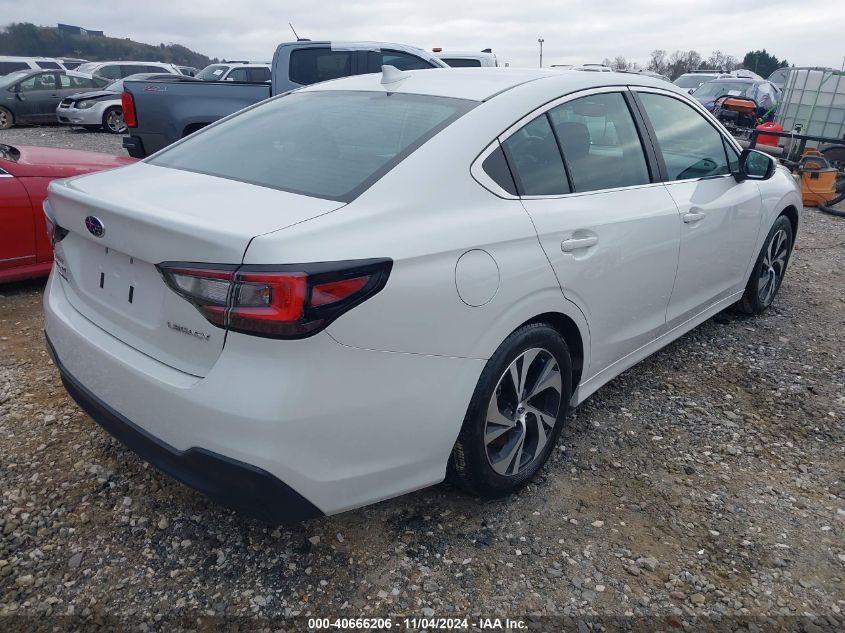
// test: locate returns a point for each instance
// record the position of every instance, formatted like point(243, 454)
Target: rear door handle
point(693, 217)
point(575, 243)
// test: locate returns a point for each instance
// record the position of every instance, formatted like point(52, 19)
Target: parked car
point(467, 59)
point(243, 72)
point(649, 73)
point(102, 109)
point(104, 73)
point(188, 71)
point(691, 81)
point(10, 64)
point(593, 68)
point(160, 117)
point(361, 287)
point(25, 172)
point(763, 92)
point(31, 96)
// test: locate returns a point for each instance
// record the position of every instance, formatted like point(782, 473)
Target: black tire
point(7, 119)
point(469, 466)
point(755, 300)
point(116, 126)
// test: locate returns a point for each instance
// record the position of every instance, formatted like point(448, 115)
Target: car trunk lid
point(121, 226)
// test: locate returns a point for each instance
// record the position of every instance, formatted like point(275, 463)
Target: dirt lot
point(702, 488)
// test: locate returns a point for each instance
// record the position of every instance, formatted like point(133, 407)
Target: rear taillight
point(288, 301)
point(127, 103)
point(55, 233)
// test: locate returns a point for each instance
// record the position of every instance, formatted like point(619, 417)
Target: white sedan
point(365, 286)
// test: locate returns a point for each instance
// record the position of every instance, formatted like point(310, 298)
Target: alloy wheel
point(522, 411)
point(115, 123)
point(773, 266)
point(5, 121)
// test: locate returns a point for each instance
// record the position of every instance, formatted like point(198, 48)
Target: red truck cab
point(25, 173)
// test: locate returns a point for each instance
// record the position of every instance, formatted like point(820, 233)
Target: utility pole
point(541, 40)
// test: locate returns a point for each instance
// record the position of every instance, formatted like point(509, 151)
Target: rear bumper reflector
point(237, 485)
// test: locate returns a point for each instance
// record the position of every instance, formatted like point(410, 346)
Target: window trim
point(485, 181)
point(695, 105)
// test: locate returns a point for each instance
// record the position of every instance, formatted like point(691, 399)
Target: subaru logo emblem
point(95, 226)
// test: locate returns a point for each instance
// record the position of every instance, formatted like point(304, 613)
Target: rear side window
point(403, 61)
point(10, 67)
point(251, 75)
point(312, 65)
point(41, 63)
point(75, 82)
point(690, 146)
point(259, 75)
point(456, 62)
point(325, 144)
point(534, 156)
point(112, 72)
point(496, 166)
point(600, 142)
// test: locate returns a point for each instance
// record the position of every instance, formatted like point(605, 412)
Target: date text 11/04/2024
point(414, 624)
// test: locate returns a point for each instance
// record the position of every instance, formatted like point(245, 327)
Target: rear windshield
point(719, 88)
point(332, 144)
point(692, 81)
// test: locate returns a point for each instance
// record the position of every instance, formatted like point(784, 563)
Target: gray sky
point(806, 32)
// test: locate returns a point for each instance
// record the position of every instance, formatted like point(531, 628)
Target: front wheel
point(769, 269)
point(515, 415)
point(7, 119)
point(113, 121)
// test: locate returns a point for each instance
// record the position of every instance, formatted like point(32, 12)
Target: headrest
point(575, 138)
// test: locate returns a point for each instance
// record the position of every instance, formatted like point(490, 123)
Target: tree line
point(676, 64)
point(29, 40)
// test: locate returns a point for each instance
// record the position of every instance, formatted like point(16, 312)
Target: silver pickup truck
point(159, 113)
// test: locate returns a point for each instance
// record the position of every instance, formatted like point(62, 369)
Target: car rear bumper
point(311, 420)
point(249, 490)
point(135, 146)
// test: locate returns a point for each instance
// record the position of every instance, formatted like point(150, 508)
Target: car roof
point(480, 54)
point(480, 84)
point(733, 80)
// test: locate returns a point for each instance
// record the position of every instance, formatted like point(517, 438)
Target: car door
point(720, 217)
point(608, 226)
point(17, 239)
point(38, 96)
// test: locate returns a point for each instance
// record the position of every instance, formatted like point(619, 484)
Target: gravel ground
point(64, 136)
point(701, 489)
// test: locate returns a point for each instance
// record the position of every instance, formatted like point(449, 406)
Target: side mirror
point(754, 165)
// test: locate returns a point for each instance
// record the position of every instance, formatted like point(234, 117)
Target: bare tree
point(721, 61)
point(657, 62)
point(619, 63)
point(681, 62)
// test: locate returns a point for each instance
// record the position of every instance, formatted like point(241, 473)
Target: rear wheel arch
point(571, 333)
point(193, 127)
point(8, 118)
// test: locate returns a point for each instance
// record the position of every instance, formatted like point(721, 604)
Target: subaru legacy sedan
point(365, 286)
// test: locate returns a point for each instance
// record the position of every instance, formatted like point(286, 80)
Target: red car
point(25, 172)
